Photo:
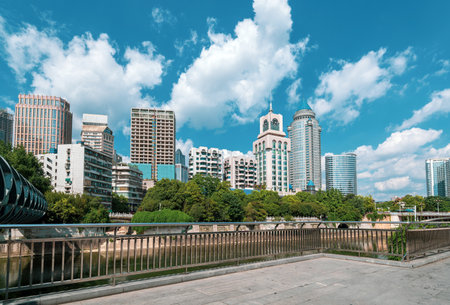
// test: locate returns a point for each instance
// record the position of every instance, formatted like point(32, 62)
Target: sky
point(377, 73)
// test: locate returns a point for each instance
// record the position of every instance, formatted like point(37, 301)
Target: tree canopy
point(27, 165)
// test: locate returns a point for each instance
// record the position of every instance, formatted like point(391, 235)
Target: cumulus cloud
point(229, 153)
point(292, 92)
point(341, 93)
point(184, 146)
point(234, 77)
point(399, 158)
point(440, 104)
point(87, 71)
point(393, 184)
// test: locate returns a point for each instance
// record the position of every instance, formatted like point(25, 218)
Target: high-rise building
point(127, 181)
point(49, 163)
point(83, 170)
point(6, 126)
point(42, 123)
point(181, 170)
point(240, 171)
point(96, 133)
point(152, 146)
point(304, 160)
point(272, 150)
point(206, 162)
point(438, 177)
point(340, 173)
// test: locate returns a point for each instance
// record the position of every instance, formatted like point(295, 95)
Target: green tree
point(207, 184)
point(432, 203)
point(27, 165)
point(166, 194)
point(119, 204)
point(411, 201)
point(163, 216)
point(254, 211)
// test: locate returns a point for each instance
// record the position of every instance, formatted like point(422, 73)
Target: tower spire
point(270, 109)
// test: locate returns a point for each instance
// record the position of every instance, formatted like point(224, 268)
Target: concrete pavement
point(322, 280)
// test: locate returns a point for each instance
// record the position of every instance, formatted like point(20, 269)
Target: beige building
point(240, 171)
point(152, 146)
point(271, 151)
point(42, 123)
point(96, 133)
point(206, 162)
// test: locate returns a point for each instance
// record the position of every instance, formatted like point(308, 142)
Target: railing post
point(8, 263)
point(406, 244)
point(114, 259)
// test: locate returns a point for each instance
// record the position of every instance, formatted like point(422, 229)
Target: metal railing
point(40, 256)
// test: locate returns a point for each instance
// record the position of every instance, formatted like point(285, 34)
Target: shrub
point(163, 216)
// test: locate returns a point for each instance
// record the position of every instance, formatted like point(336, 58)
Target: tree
point(67, 208)
point(163, 216)
point(119, 204)
point(166, 194)
point(411, 201)
point(27, 165)
point(254, 211)
point(432, 203)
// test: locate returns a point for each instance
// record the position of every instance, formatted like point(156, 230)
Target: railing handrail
point(185, 224)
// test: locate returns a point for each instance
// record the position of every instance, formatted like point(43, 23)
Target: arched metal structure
point(20, 201)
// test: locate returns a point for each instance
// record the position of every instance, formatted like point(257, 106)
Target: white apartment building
point(240, 171)
point(96, 133)
point(271, 151)
point(206, 162)
point(83, 170)
point(127, 181)
point(49, 163)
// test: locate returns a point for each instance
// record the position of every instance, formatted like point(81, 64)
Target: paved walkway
point(317, 281)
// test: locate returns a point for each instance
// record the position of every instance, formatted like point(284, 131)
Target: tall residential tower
point(206, 162)
point(42, 123)
point(340, 173)
point(271, 151)
point(152, 146)
point(304, 160)
point(438, 177)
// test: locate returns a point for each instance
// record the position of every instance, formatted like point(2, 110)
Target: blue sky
point(376, 73)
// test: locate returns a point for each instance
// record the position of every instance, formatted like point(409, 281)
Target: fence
point(49, 255)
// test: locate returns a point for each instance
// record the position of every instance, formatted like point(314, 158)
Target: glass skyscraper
point(340, 173)
point(304, 159)
point(438, 177)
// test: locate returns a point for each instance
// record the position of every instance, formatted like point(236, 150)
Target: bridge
point(37, 258)
point(419, 216)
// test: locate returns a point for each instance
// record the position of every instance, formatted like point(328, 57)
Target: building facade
point(240, 171)
point(83, 170)
point(49, 163)
point(438, 177)
point(181, 170)
point(6, 126)
point(96, 133)
point(272, 150)
point(127, 181)
point(206, 162)
point(340, 173)
point(42, 123)
point(153, 142)
point(305, 164)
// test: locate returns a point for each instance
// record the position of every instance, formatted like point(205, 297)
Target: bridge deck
point(317, 281)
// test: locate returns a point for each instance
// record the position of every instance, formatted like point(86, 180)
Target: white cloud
point(184, 146)
point(229, 153)
point(192, 41)
point(161, 16)
point(393, 184)
point(445, 67)
point(292, 91)
point(126, 159)
point(235, 75)
point(440, 104)
point(341, 93)
point(397, 160)
point(87, 71)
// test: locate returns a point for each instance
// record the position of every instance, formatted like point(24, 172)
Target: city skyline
point(169, 55)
